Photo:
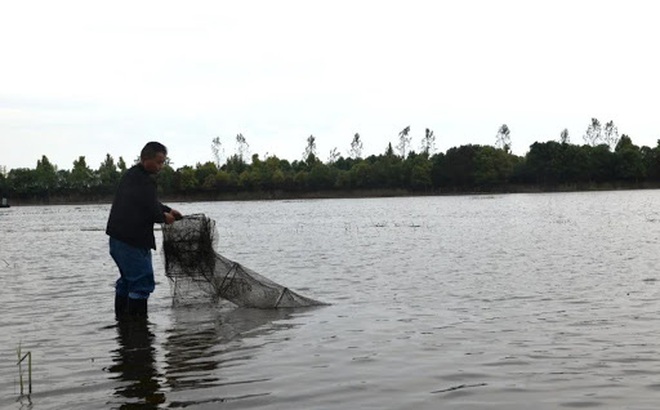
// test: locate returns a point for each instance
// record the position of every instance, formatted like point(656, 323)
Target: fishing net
point(197, 271)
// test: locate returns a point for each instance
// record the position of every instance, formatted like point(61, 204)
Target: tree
point(23, 181)
point(575, 163)
point(457, 168)
point(242, 148)
point(503, 138)
point(204, 173)
point(278, 179)
point(544, 162)
point(649, 162)
point(108, 174)
point(81, 176)
point(602, 163)
point(3, 180)
point(652, 161)
point(564, 138)
point(428, 142)
point(493, 167)
point(404, 141)
point(389, 152)
point(333, 156)
point(594, 134)
point(46, 175)
point(629, 160)
point(611, 134)
point(167, 179)
point(361, 175)
point(187, 181)
point(121, 164)
point(321, 177)
point(64, 180)
point(235, 164)
point(310, 150)
point(356, 147)
point(216, 147)
point(420, 172)
point(261, 173)
point(300, 180)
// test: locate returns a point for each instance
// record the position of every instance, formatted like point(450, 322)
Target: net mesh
point(196, 271)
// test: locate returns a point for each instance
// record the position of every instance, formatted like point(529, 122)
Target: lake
point(518, 301)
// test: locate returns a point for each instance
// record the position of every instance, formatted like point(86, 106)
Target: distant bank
point(335, 194)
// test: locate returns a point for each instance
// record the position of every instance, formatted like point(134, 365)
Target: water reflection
point(136, 365)
point(206, 342)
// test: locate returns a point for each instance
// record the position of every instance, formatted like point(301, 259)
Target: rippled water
point(510, 301)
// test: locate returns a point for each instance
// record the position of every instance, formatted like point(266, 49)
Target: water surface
point(507, 301)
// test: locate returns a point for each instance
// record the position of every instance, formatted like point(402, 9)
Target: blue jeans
point(135, 269)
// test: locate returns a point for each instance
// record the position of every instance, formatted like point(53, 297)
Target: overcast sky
point(87, 78)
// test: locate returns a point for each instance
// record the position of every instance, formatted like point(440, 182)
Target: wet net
point(196, 271)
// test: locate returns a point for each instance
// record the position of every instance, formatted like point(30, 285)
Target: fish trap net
point(196, 271)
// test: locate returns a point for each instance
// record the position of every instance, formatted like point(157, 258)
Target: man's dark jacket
point(136, 209)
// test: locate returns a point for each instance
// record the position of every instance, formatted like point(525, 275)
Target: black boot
point(121, 306)
point(137, 307)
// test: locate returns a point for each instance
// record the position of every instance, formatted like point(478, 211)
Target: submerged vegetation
point(605, 160)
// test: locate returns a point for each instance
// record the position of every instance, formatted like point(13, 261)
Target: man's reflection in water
point(201, 348)
point(135, 363)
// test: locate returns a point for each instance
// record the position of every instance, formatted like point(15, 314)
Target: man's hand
point(169, 218)
point(176, 214)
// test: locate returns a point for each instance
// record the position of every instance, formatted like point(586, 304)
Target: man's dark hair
point(151, 149)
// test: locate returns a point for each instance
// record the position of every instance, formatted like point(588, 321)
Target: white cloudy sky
point(90, 77)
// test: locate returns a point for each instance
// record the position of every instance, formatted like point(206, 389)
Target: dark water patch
point(640, 372)
point(462, 376)
point(459, 387)
point(517, 390)
point(632, 360)
point(608, 386)
point(582, 404)
point(591, 322)
point(507, 361)
point(184, 404)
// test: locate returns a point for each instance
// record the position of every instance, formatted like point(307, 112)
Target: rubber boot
point(121, 306)
point(137, 307)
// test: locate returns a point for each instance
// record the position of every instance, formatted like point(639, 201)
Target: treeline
point(548, 165)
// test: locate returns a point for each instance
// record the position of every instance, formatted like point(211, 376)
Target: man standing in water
point(134, 212)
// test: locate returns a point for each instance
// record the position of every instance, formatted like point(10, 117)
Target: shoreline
point(332, 194)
